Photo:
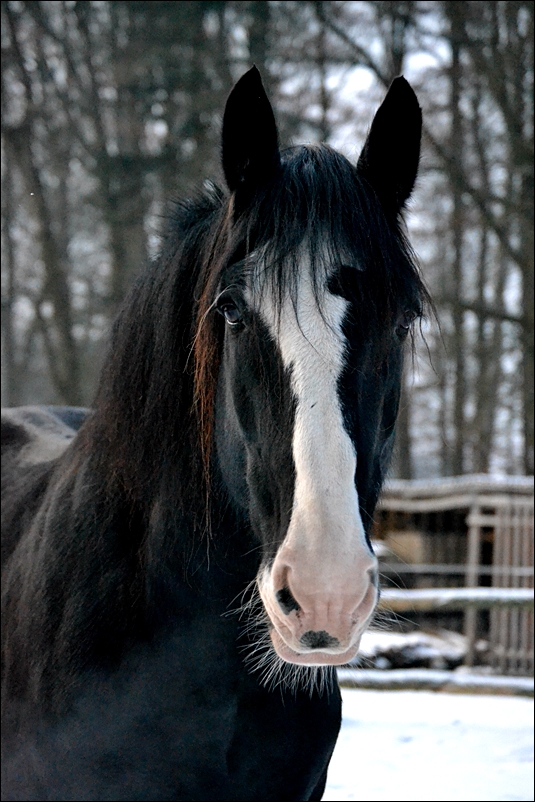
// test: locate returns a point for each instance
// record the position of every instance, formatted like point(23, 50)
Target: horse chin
point(312, 658)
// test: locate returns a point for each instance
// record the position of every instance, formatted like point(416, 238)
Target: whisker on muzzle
point(261, 658)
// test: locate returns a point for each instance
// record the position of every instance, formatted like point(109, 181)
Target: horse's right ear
point(250, 149)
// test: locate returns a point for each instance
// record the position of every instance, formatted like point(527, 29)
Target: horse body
point(184, 565)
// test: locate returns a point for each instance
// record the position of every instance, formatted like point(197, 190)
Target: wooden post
point(472, 579)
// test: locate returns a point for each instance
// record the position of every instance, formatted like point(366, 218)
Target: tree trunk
point(457, 229)
point(11, 374)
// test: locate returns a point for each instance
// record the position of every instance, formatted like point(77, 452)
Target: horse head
point(313, 303)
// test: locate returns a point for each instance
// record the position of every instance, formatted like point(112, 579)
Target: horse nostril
point(286, 601)
point(318, 640)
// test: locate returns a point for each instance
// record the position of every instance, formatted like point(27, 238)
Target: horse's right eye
point(230, 312)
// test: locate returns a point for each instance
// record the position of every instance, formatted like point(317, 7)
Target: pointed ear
point(250, 150)
point(390, 156)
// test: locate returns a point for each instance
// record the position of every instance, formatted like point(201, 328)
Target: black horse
point(184, 566)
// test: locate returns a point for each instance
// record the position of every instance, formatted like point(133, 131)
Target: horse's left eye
point(405, 323)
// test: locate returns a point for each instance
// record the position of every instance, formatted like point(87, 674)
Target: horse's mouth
point(312, 657)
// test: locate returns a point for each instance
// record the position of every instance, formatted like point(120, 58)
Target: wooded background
point(111, 108)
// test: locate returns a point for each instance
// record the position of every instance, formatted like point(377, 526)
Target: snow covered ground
point(418, 745)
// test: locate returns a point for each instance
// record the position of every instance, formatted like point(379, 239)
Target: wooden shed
point(464, 531)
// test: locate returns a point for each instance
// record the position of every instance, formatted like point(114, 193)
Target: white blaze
point(325, 519)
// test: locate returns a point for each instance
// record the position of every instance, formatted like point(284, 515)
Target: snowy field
point(419, 745)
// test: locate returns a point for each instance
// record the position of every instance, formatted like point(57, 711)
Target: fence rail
point(455, 599)
point(423, 679)
point(452, 568)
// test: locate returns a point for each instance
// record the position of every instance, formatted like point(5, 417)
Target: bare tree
point(111, 108)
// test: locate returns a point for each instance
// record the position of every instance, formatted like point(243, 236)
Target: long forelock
point(320, 203)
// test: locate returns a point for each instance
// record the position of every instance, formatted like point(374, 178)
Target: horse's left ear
point(390, 156)
point(250, 149)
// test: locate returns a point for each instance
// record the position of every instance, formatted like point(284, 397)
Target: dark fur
point(123, 677)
